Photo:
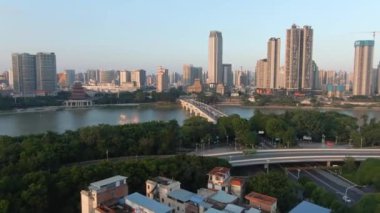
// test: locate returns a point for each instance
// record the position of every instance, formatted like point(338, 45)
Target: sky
point(133, 34)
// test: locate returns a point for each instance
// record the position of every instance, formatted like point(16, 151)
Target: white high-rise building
point(273, 62)
point(162, 79)
point(363, 67)
point(215, 58)
point(263, 77)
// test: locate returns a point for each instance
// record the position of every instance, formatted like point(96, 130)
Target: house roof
point(181, 195)
point(253, 210)
point(254, 196)
point(147, 203)
point(101, 183)
point(308, 207)
point(223, 197)
point(219, 171)
point(236, 181)
point(232, 208)
point(212, 210)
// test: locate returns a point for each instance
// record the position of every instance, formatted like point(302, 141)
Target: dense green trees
point(320, 196)
point(58, 191)
point(275, 184)
point(295, 124)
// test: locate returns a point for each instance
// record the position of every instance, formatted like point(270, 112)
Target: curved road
point(237, 158)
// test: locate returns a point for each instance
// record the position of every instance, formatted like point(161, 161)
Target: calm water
point(58, 121)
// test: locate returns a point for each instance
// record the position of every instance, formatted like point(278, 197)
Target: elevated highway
point(201, 109)
point(276, 156)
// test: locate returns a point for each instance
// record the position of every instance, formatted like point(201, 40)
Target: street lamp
point(345, 194)
point(323, 140)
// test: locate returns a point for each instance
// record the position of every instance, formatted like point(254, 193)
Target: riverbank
point(284, 107)
point(159, 105)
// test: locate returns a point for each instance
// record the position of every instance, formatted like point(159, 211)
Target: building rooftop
point(223, 197)
point(101, 183)
point(232, 208)
point(163, 180)
point(181, 195)
point(262, 198)
point(252, 210)
point(205, 193)
point(308, 207)
point(147, 203)
point(237, 181)
point(219, 171)
point(212, 210)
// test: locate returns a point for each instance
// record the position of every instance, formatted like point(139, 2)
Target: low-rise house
point(263, 202)
point(142, 204)
point(103, 193)
point(308, 207)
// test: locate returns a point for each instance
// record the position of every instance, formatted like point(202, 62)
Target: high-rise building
point(263, 76)
point(241, 78)
point(298, 58)
point(125, 76)
point(24, 73)
point(162, 79)
point(92, 77)
point(378, 79)
point(273, 62)
point(46, 70)
point(190, 73)
point(70, 77)
point(228, 76)
point(315, 73)
point(281, 78)
point(215, 58)
point(106, 77)
point(363, 67)
point(138, 78)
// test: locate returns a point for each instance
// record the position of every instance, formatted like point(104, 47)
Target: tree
point(274, 184)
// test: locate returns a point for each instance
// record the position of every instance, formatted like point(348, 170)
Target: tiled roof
point(262, 198)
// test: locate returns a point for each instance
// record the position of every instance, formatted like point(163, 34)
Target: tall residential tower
point(299, 58)
point(363, 67)
point(273, 62)
point(46, 70)
point(215, 57)
point(24, 73)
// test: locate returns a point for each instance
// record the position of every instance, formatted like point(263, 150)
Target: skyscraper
point(70, 77)
point(298, 58)
point(215, 57)
point(263, 77)
point(46, 70)
point(228, 76)
point(24, 73)
point(190, 73)
point(363, 67)
point(162, 79)
point(138, 78)
point(273, 62)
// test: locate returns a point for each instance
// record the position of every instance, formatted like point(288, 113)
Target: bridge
point(276, 156)
point(200, 109)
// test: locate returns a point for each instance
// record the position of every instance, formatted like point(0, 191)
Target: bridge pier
point(328, 163)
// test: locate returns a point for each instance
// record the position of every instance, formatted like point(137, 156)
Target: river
point(15, 124)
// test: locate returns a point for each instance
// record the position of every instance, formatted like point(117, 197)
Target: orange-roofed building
point(264, 202)
point(237, 186)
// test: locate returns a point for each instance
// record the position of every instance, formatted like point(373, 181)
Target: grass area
point(350, 176)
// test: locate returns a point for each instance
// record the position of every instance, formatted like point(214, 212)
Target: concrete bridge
point(197, 108)
point(276, 156)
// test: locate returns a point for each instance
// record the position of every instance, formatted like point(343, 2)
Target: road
point(332, 183)
point(237, 158)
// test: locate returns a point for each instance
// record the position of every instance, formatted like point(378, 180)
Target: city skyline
point(114, 39)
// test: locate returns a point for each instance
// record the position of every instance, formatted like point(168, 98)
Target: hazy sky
point(129, 34)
